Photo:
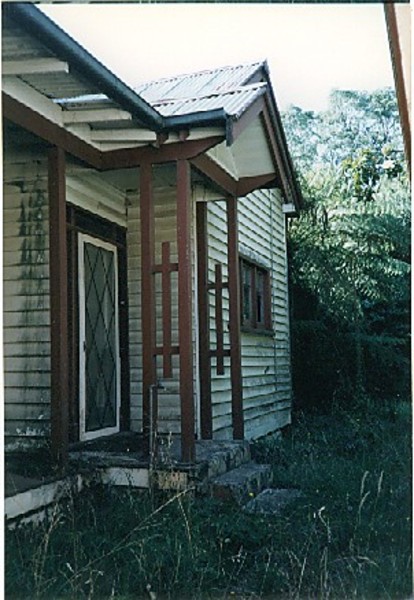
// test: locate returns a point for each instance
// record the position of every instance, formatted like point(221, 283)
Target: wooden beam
point(234, 325)
point(204, 361)
point(58, 305)
point(218, 288)
point(185, 310)
point(227, 184)
point(400, 82)
point(51, 133)
point(223, 180)
point(33, 66)
point(166, 309)
point(246, 185)
point(147, 296)
point(25, 117)
point(276, 153)
point(130, 157)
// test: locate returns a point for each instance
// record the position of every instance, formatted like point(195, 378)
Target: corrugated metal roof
point(29, 34)
point(234, 103)
point(198, 84)
point(216, 90)
point(17, 45)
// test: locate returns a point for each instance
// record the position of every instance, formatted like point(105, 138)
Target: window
point(255, 296)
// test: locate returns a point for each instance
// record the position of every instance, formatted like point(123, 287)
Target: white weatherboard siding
point(88, 191)
point(26, 304)
point(220, 384)
point(265, 359)
point(26, 299)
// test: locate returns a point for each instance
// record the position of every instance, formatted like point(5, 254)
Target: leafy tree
point(350, 248)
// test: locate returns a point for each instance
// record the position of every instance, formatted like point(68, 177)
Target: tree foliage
point(350, 247)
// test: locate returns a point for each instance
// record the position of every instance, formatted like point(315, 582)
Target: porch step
point(272, 501)
point(241, 484)
point(218, 457)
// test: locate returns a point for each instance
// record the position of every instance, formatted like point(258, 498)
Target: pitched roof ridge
point(144, 84)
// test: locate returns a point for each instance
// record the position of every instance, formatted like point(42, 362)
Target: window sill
point(257, 331)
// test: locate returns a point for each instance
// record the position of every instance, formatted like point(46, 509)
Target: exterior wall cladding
point(265, 358)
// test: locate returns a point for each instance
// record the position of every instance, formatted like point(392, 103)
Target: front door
point(99, 360)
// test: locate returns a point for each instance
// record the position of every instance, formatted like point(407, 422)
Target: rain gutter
point(50, 34)
point(205, 118)
point(47, 32)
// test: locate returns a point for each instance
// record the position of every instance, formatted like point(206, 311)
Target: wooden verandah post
point(58, 269)
point(234, 325)
point(203, 321)
point(147, 296)
point(185, 310)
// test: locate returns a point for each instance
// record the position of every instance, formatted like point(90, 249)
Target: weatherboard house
point(145, 269)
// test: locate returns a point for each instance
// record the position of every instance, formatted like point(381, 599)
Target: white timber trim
point(289, 209)
point(40, 497)
point(111, 136)
point(25, 94)
point(34, 66)
point(95, 115)
point(83, 434)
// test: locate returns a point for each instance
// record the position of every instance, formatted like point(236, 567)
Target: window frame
point(253, 323)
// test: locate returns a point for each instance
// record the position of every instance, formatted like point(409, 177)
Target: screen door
point(99, 363)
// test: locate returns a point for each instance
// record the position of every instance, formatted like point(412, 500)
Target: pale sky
point(311, 49)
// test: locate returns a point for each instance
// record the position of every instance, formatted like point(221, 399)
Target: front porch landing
point(32, 487)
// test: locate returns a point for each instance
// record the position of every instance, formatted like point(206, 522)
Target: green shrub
point(347, 536)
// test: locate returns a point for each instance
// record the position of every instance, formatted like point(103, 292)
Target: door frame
point(85, 435)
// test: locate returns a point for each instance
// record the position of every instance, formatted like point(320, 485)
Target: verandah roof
point(45, 69)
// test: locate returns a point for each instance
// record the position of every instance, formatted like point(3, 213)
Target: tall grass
point(347, 536)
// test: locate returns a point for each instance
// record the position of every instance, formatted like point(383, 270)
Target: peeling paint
point(32, 432)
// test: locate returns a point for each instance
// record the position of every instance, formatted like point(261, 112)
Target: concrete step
point(220, 457)
point(241, 484)
point(271, 501)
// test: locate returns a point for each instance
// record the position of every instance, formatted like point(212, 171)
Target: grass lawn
point(347, 536)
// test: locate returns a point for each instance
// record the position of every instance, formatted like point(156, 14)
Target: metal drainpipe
point(153, 429)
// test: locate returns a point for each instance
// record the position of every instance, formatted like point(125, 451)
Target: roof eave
point(295, 190)
point(39, 25)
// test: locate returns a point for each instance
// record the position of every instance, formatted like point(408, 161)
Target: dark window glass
point(260, 288)
point(246, 292)
point(255, 296)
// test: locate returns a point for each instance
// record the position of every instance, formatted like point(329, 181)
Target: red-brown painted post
point(234, 325)
point(204, 360)
point(58, 268)
point(147, 296)
point(218, 272)
point(166, 309)
point(185, 311)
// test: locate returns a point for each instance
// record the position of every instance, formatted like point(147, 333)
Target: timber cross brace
point(183, 269)
point(185, 347)
point(136, 188)
point(185, 308)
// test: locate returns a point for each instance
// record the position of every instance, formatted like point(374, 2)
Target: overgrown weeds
point(348, 534)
